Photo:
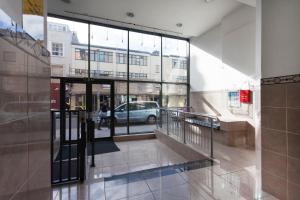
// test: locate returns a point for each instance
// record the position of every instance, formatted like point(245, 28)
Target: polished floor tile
point(149, 170)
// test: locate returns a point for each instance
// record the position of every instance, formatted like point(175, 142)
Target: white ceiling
point(195, 15)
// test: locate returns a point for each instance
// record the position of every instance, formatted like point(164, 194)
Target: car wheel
point(151, 119)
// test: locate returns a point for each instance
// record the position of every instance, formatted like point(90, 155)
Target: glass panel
point(121, 108)
point(75, 99)
point(175, 60)
point(75, 96)
point(174, 95)
point(144, 57)
point(55, 94)
point(144, 101)
point(33, 19)
point(101, 109)
point(68, 46)
point(108, 52)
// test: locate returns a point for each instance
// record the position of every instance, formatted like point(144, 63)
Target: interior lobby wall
point(24, 114)
point(281, 98)
point(222, 60)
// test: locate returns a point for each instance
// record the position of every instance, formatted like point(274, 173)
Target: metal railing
point(189, 128)
point(68, 144)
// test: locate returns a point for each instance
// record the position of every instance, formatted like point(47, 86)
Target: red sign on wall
point(245, 96)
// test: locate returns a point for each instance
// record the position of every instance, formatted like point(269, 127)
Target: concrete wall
point(223, 59)
point(281, 98)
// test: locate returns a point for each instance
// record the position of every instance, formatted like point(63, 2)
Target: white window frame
point(62, 49)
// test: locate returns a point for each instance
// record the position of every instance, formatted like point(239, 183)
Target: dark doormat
point(102, 146)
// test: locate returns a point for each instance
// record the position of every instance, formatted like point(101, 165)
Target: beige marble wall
point(24, 119)
point(281, 139)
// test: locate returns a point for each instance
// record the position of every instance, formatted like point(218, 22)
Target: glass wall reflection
point(175, 60)
point(144, 102)
point(108, 53)
point(68, 47)
point(144, 57)
point(153, 62)
point(121, 121)
point(174, 95)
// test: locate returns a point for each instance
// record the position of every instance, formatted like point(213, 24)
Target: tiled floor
point(134, 156)
point(224, 181)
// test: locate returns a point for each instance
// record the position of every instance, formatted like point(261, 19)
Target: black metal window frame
point(128, 54)
point(138, 60)
point(121, 58)
point(179, 63)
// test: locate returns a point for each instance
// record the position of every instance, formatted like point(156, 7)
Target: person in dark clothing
point(102, 114)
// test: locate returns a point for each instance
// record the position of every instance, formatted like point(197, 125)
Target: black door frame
point(89, 99)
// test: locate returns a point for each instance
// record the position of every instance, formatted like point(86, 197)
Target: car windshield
point(120, 108)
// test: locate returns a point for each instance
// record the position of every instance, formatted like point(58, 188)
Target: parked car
point(139, 112)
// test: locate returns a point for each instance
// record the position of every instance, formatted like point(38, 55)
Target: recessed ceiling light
point(179, 25)
point(208, 1)
point(130, 14)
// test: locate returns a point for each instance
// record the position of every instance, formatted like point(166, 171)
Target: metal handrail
point(181, 124)
point(191, 113)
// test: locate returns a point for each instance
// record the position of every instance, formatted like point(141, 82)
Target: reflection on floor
point(121, 130)
point(224, 181)
point(105, 132)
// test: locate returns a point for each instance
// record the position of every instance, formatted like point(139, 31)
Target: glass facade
point(175, 60)
point(144, 101)
point(144, 57)
point(121, 120)
point(68, 44)
point(174, 95)
point(108, 52)
point(149, 70)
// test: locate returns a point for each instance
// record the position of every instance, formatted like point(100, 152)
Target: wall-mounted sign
point(234, 99)
point(245, 96)
point(33, 7)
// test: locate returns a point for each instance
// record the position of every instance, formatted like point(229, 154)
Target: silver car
point(139, 112)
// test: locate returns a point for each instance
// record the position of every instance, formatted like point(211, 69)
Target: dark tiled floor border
point(281, 80)
point(158, 172)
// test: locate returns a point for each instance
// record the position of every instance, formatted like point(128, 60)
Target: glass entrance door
point(102, 112)
point(95, 99)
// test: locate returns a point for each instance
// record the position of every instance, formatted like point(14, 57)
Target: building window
point(79, 72)
point(81, 54)
point(138, 75)
point(104, 56)
point(121, 58)
point(57, 49)
point(179, 64)
point(92, 55)
point(121, 74)
point(181, 78)
point(102, 73)
point(137, 60)
point(58, 27)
